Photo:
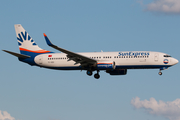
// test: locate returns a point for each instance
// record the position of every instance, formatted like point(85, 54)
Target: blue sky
point(32, 93)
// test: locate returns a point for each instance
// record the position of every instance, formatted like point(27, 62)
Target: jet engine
point(106, 65)
point(117, 72)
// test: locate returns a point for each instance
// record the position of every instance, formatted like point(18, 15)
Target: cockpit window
point(167, 56)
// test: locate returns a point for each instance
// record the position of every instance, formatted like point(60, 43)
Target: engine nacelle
point(117, 72)
point(106, 65)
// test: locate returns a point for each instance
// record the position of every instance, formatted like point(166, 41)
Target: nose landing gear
point(163, 68)
point(160, 73)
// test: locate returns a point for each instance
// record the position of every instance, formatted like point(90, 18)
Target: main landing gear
point(89, 72)
point(97, 76)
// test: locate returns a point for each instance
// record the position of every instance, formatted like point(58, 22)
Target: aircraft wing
point(83, 60)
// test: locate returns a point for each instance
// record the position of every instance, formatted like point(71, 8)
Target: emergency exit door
point(156, 57)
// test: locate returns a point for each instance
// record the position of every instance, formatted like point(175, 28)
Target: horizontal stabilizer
point(17, 54)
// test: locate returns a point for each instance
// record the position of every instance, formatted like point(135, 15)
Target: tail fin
point(26, 44)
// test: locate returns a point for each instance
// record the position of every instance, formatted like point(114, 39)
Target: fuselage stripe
point(37, 51)
point(104, 63)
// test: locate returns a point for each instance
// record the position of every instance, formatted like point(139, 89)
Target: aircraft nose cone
point(175, 61)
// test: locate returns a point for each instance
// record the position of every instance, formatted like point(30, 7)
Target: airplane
point(114, 63)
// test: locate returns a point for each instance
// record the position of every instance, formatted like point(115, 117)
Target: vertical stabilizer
point(26, 43)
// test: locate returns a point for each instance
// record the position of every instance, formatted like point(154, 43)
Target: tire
point(89, 72)
point(160, 73)
point(97, 76)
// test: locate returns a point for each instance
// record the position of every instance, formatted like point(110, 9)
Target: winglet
point(44, 34)
point(47, 40)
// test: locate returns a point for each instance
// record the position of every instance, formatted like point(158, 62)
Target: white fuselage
point(123, 60)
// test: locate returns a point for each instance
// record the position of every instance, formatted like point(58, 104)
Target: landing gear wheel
point(97, 76)
point(160, 73)
point(89, 72)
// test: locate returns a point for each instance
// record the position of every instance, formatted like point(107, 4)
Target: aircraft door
point(156, 57)
point(40, 59)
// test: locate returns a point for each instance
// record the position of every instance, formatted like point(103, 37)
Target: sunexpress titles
point(133, 54)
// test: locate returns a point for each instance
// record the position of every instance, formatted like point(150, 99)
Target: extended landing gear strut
point(97, 76)
point(163, 68)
